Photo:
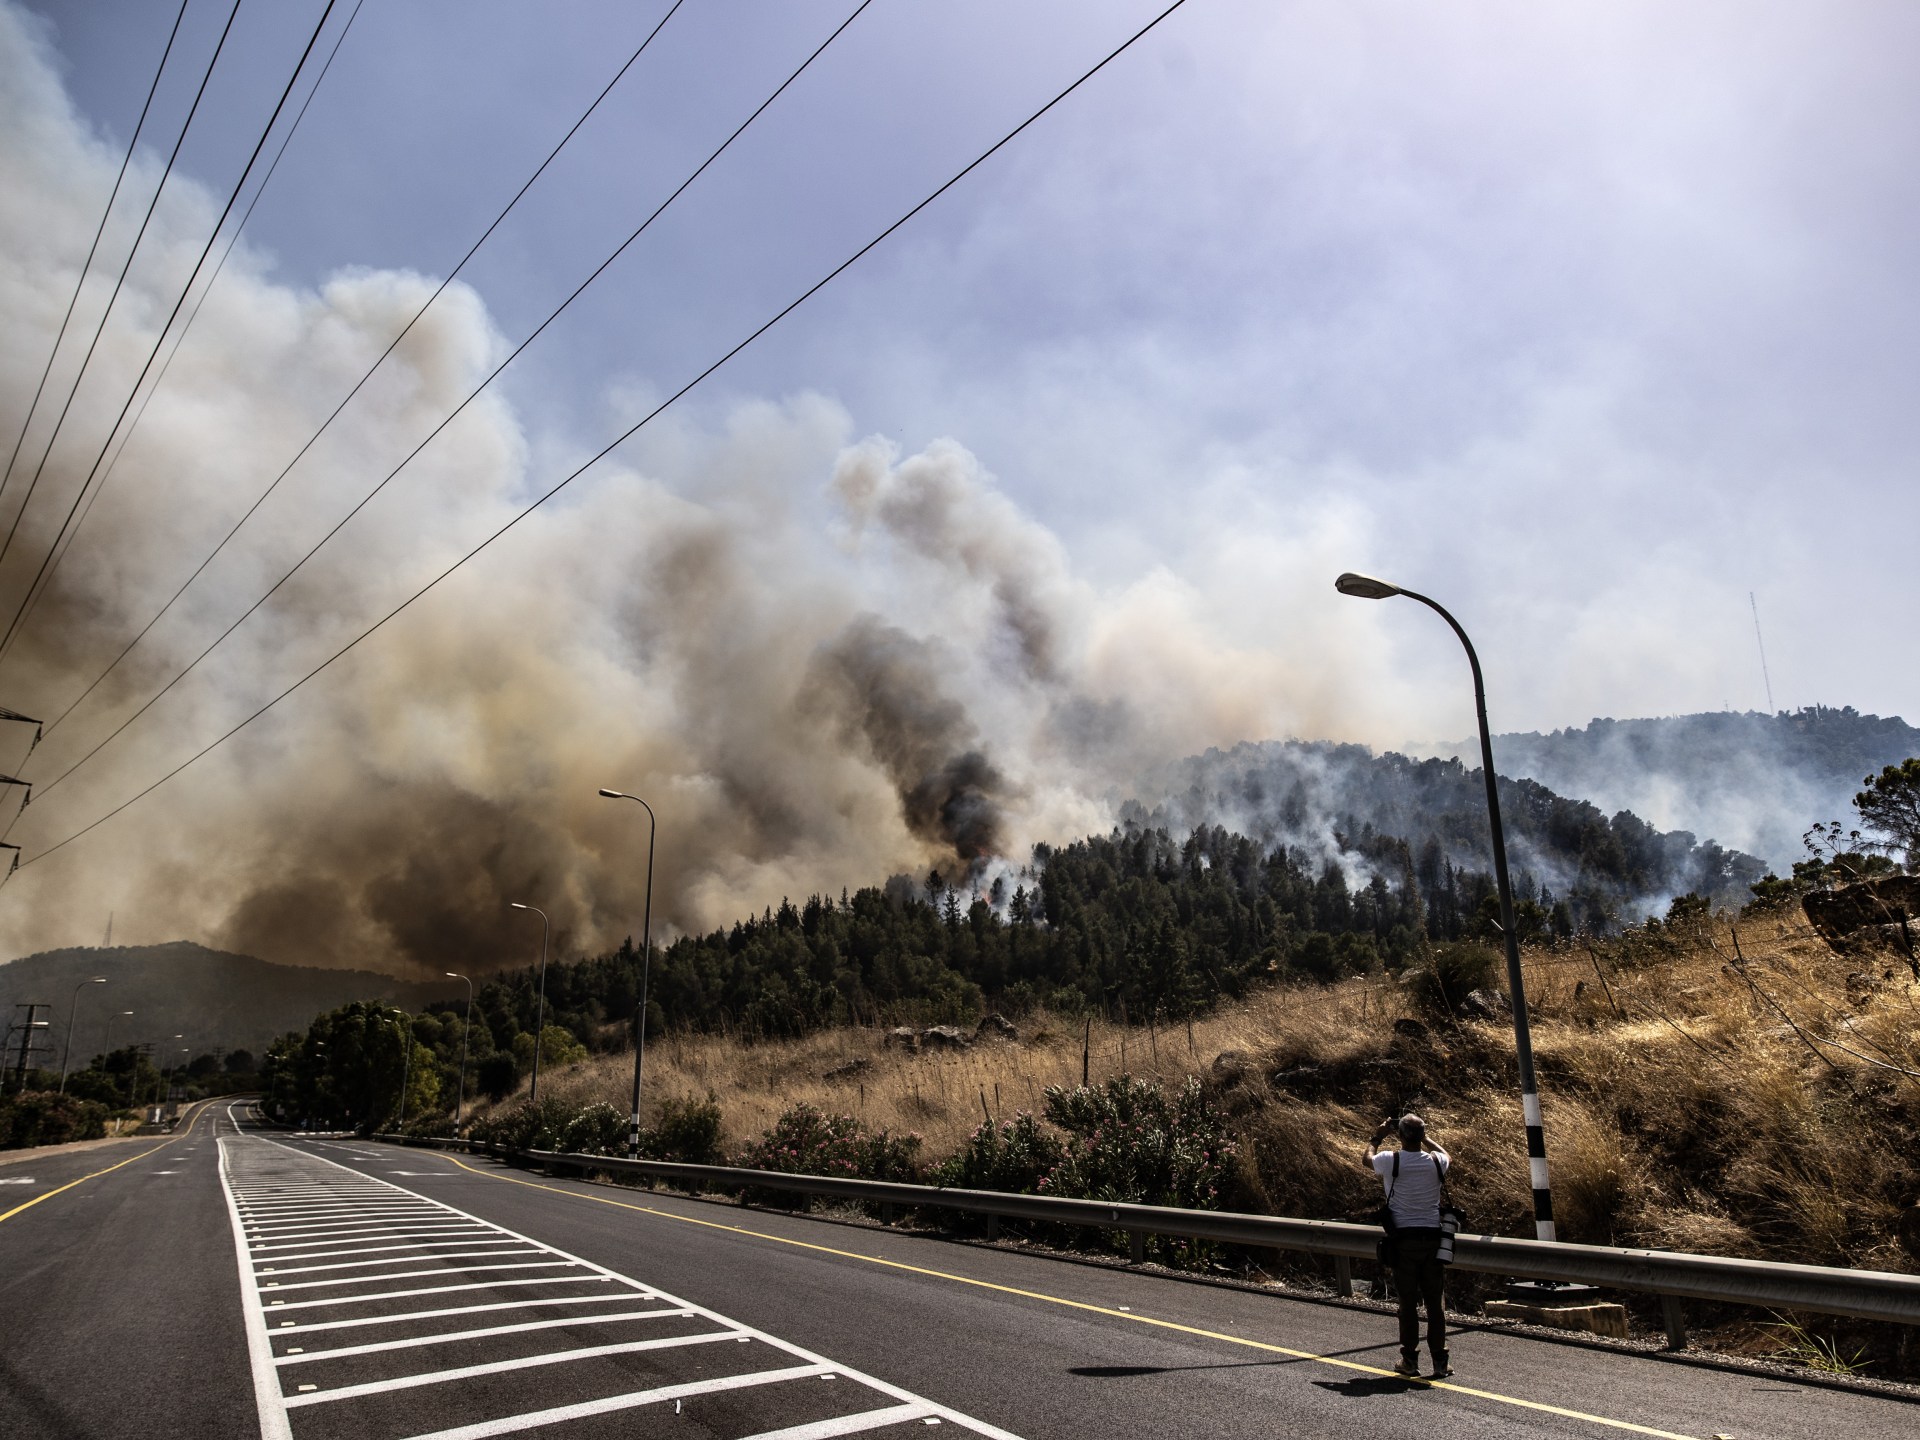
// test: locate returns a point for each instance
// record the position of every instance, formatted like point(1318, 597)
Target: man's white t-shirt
point(1414, 1194)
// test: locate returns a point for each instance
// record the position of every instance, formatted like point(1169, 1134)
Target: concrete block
point(1595, 1319)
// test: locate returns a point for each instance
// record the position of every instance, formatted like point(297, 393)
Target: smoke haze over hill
point(1752, 781)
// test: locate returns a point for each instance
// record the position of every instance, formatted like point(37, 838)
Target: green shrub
point(1015, 1157)
point(598, 1129)
point(526, 1126)
point(41, 1117)
point(684, 1129)
point(1452, 973)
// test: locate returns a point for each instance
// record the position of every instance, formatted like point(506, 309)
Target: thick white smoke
point(822, 661)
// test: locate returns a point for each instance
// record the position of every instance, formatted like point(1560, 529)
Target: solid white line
point(416, 1341)
point(532, 1420)
point(416, 1274)
point(518, 1249)
point(499, 1367)
point(266, 1384)
point(365, 1320)
point(438, 1290)
point(848, 1424)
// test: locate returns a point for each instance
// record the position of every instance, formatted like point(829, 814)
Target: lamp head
point(98, 980)
point(607, 794)
point(1364, 587)
point(516, 905)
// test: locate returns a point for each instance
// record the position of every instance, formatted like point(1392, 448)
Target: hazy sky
point(1588, 319)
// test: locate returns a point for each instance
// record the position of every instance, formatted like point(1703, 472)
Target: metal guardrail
point(1674, 1275)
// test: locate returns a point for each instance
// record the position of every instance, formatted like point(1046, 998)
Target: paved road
point(239, 1283)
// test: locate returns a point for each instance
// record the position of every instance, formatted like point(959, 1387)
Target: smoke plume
point(820, 660)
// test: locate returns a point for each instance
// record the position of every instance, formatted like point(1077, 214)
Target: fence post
point(1674, 1315)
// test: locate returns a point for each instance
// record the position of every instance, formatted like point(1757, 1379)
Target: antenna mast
point(1765, 679)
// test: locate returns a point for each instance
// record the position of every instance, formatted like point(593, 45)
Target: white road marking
point(848, 1424)
point(517, 1249)
point(536, 1418)
point(17, 1180)
point(312, 1325)
point(270, 1248)
point(438, 1290)
point(524, 1362)
point(266, 1383)
point(416, 1341)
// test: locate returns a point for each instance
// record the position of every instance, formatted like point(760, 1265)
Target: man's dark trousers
point(1418, 1275)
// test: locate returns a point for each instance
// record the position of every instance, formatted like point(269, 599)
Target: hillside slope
point(209, 997)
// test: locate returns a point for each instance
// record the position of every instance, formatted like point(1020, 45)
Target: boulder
point(901, 1037)
point(944, 1037)
point(997, 1027)
point(1485, 1005)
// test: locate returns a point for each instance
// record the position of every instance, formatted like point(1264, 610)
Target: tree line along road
point(233, 1280)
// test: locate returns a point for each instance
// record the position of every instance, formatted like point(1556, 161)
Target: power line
point(87, 264)
point(624, 436)
point(233, 238)
point(405, 330)
point(454, 414)
point(161, 338)
point(127, 265)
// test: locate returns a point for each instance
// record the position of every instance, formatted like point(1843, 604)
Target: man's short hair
point(1413, 1130)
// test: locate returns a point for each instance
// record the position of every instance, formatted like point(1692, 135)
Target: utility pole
point(30, 1033)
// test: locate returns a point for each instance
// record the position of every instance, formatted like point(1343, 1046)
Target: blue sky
point(1587, 319)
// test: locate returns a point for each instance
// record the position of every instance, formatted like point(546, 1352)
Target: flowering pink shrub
point(808, 1141)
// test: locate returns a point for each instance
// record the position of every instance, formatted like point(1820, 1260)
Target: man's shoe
point(1441, 1370)
point(1410, 1369)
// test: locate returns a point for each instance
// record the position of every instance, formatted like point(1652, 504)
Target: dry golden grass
point(1693, 1100)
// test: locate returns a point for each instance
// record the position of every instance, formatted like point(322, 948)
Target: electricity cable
point(86, 265)
point(233, 239)
point(126, 266)
point(620, 439)
point(454, 414)
point(405, 330)
point(161, 338)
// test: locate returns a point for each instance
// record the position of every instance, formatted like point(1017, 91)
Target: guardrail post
point(1137, 1246)
point(993, 1227)
point(1674, 1315)
point(1343, 1275)
point(886, 1212)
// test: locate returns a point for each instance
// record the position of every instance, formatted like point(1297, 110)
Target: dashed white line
point(509, 1424)
point(416, 1341)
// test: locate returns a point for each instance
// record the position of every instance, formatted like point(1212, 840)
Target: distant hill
point(207, 996)
point(1343, 801)
point(1752, 781)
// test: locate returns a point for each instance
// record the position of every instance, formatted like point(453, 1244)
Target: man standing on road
point(1411, 1176)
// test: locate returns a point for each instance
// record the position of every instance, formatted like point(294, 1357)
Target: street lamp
point(106, 1049)
point(406, 1061)
point(465, 1030)
point(1365, 587)
point(540, 1013)
point(73, 1008)
point(646, 964)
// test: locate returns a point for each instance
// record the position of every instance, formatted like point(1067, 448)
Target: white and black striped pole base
point(633, 1142)
point(1537, 1167)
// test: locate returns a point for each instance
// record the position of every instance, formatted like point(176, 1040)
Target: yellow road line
point(109, 1170)
point(1149, 1320)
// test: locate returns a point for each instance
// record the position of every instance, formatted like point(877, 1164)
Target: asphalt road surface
point(234, 1281)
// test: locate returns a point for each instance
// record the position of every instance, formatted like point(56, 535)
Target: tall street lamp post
point(106, 1049)
point(646, 965)
point(406, 1061)
point(73, 1009)
point(467, 1029)
point(1366, 588)
point(540, 1013)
